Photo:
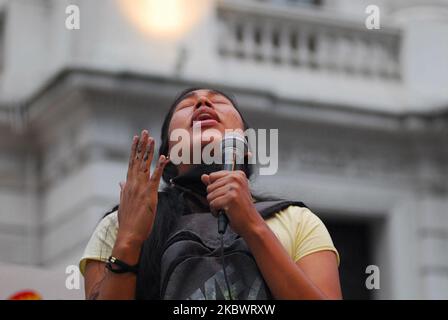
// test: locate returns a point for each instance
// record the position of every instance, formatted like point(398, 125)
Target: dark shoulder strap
point(268, 208)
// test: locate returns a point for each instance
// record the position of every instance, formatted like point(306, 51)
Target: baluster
point(248, 39)
point(275, 39)
point(224, 37)
point(266, 47)
point(390, 58)
point(383, 59)
point(232, 31)
point(294, 46)
point(239, 39)
point(345, 53)
point(338, 56)
point(376, 59)
point(312, 48)
point(396, 66)
point(393, 55)
point(304, 54)
point(366, 54)
point(323, 50)
point(258, 31)
point(357, 55)
point(285, 48)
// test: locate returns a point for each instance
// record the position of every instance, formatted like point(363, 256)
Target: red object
point(25, 295)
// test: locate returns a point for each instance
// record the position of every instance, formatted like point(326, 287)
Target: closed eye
point(185, 105)
point(220, 101)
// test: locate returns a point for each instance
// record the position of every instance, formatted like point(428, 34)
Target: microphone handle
point(223, 221)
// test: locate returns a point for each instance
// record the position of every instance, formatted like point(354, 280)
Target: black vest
point(191, 265)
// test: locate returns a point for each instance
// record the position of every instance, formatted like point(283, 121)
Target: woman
point(292, 249)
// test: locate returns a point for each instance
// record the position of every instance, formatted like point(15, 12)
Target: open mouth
point(205, 118)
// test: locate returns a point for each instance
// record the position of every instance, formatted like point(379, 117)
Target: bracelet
point(117, 266)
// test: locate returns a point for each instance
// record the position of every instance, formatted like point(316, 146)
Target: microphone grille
point(234, 140)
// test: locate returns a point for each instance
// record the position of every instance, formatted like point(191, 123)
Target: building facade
point(362, 118)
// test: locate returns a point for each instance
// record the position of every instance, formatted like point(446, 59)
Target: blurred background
point(362, 117)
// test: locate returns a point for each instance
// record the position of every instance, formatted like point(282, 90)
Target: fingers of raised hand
point(135, 141)
point(158, 171)
point(148, 156)
point(141, 148)
point(135, 158)
point(142, 153)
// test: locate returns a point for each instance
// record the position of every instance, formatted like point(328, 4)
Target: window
point(353, 240)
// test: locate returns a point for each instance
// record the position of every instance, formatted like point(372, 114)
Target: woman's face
point(210, 110)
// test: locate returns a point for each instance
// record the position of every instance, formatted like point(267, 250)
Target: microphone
point(234, 148)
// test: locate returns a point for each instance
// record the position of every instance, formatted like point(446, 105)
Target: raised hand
point(139, 194)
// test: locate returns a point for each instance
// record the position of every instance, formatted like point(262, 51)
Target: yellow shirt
point(299, 230)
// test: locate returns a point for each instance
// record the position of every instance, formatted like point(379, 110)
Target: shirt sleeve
point(311, 235)
point(102, 241)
